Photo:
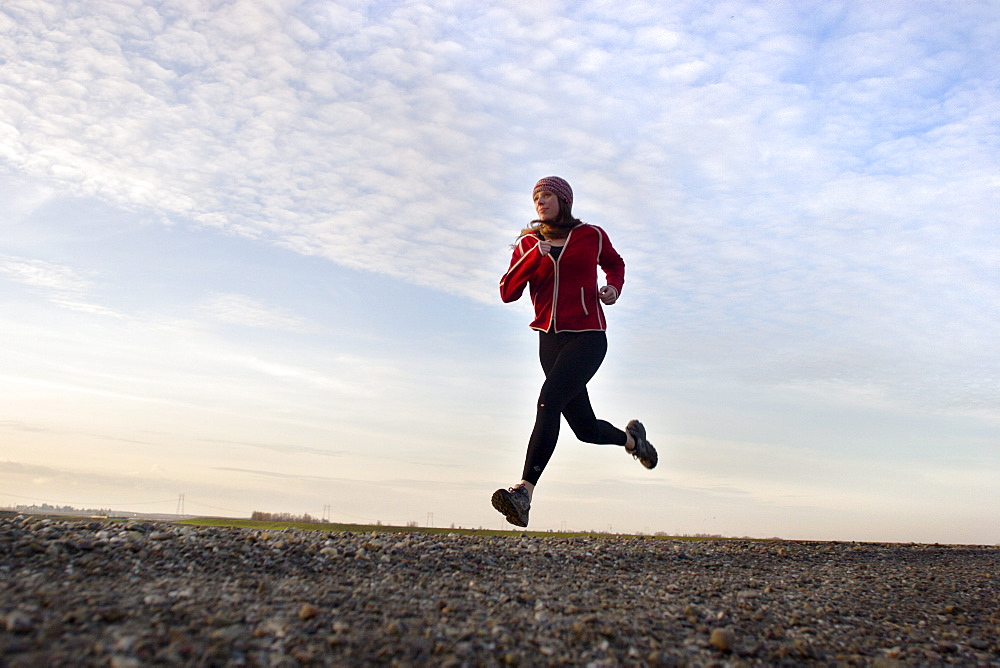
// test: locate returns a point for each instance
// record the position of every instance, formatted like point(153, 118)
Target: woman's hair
point(554, 229)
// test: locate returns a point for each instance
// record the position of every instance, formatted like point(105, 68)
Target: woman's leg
point(581, 419)
point(569, 360)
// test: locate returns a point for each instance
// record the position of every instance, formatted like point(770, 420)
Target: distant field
point(382, 528)
point(355, 528)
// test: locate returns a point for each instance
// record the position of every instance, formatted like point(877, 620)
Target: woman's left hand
point(608, 295)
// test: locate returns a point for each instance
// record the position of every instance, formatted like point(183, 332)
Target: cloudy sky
point(249, 254)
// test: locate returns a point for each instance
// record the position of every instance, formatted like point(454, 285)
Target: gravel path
point(144, 593)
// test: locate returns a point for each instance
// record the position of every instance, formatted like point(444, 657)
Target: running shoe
point(644, 450)
point(514, 504)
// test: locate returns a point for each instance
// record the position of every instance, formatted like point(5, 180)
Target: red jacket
point(568, 284)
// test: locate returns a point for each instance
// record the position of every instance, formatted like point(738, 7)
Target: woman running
point(556, 257)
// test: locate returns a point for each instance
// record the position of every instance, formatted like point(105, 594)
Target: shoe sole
point(637, 426)
point(641, 430)
point(501, 501)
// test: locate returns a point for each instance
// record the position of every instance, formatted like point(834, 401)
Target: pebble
point(722, 639)
point(18, 622)
point(143, 593)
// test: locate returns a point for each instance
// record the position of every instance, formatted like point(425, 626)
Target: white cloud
point(60, 284)
point(242, 310)
point(46, 275)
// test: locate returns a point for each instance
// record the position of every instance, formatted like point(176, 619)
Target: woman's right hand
point(544, 247)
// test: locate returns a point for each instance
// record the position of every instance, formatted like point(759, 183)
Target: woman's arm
point(612, 264)
point(523, 264)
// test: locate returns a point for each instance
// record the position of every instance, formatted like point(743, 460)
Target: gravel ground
point(144, 593)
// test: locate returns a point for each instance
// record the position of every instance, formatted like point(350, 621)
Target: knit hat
point(557, 187)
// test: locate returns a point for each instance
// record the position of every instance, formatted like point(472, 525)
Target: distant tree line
point(47, 508)
point(284, 517)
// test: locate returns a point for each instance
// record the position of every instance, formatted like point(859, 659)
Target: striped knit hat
point(557, 187)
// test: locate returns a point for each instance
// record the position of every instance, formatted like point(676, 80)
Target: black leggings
point(570, 360)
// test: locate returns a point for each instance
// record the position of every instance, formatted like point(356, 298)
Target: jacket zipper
point(555, 284)
point(583, 303)
point(555, 292)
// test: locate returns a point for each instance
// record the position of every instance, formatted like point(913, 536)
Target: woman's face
point(547, 205)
